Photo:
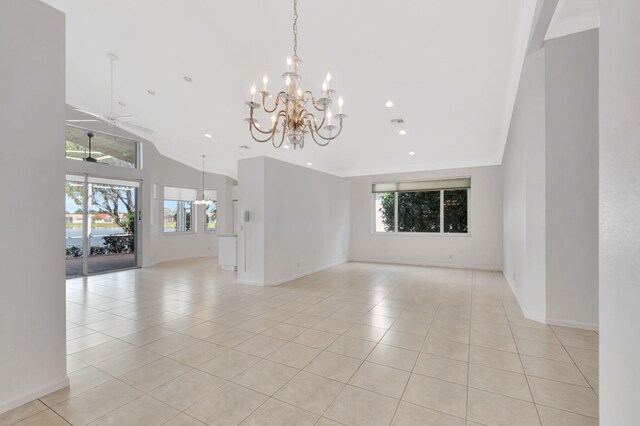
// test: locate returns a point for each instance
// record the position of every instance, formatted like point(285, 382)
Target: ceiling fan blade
point(88, 112)
point(135, 126)
point(125, 118)
point(76, 151)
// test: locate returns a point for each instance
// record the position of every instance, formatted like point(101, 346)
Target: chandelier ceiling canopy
point(290, 116)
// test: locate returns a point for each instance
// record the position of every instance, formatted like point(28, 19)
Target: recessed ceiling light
point(151, 92)
point(207, 135)
point(187, 79)
point(286, 147)
point(309, 164)
point(388, 104)
point(412, 153)
point(122, 104)
point(402, 132)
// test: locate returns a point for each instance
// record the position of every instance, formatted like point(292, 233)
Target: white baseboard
point(573, 324)
point(161, 261)
point(33, 395)
point(551, 321)
point(292, 277)
point(426, 264)
point(249, 282)
point(515, 294)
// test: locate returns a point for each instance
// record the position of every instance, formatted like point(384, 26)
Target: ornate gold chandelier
point(289, 114)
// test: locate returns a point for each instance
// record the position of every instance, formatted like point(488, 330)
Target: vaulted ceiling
point(451, 68)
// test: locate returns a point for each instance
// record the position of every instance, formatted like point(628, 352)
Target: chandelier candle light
point(289, 114)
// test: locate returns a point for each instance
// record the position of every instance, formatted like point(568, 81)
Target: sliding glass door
point(101, 219)
point(74, 225)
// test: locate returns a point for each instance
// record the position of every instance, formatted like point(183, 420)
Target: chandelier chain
point(295, 27)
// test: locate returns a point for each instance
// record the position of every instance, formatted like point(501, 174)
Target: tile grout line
point(535, 405)
point(576, 364)
point(466, 405)
point(345, 296)
point(414, 364)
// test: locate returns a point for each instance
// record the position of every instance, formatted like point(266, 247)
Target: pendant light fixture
point(90, 159)
point(204, 201)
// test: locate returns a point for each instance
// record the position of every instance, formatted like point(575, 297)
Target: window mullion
point(395, 213)
point(442, 211)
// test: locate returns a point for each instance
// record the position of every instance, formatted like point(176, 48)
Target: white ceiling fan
point(112, 117)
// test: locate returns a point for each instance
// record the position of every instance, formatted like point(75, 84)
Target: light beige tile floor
point(183, 344)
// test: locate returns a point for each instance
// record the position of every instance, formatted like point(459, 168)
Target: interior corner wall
point(32, 283)
point(298, 221)
point(161, 246)
point(550, 184)
point(619, 158)
point(251, 240)
point(572, 179)
point(480, 249)
point(307, 221)
point(524, 191)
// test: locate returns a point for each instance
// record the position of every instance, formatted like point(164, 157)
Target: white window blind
point(426, 185)
point(113, 182)
point(179, 194)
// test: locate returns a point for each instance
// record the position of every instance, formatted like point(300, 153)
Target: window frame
point(137, 163)
point(192, 230)
point(422, 234)
point(205, 225)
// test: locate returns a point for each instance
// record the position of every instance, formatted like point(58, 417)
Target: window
point(211, 211)
point(105, 148)
point(418, 211)
point(437, 206)
point(178, 209)
point(385, 211)
point(455, 211)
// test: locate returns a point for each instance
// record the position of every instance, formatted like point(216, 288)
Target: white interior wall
point(307, 221)
point(162, 247)
point(619, 207)
point(32, 285)
point(299, 221)
point(481, 248)
point(550, 184)
point(572, 176)
point(251, 239)
point(524, 191)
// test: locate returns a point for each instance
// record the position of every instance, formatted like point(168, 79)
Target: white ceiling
point(572, 16)
point(450, 67)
